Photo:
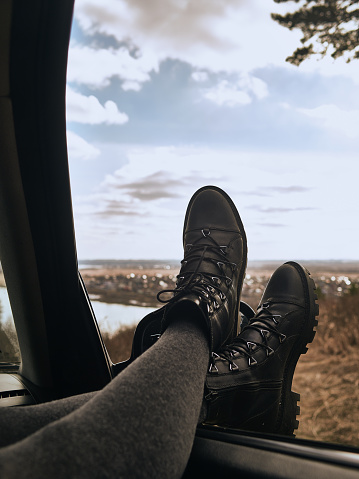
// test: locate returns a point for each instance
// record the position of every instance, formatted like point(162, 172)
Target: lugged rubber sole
point(289, 410)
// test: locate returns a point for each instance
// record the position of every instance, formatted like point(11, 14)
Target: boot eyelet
point(233, 366)
point(252, 361)
point(265, 333)
point(251, 345)
point(213, 369)
point(270, 351)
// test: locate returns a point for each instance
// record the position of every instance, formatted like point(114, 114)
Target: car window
point(162, 101)
point(121, 294)
point(9, 346)
point(327, 376)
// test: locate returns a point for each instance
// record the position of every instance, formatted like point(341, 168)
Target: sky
point(166, 96)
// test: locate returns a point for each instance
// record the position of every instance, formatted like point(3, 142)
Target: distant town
point(138, 282)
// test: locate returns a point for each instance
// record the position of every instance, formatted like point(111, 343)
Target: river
point(110, 317)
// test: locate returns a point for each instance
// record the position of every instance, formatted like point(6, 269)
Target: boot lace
point(193, 280)
point(263, 324)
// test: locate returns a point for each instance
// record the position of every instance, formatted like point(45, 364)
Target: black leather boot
point(249, 382)
point(211, 277)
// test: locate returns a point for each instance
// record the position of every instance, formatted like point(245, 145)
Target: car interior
point(62, 351)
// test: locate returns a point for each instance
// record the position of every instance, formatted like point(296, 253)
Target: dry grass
point(119, 344)
point(327, 377)
point(10, 350)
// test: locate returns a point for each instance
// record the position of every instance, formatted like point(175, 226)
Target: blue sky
point(166, 96)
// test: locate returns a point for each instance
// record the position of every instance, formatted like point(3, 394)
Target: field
point(327, 377)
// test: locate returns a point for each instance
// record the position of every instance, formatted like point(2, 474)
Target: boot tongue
point(212, 260)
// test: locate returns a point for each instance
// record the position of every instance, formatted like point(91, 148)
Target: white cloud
point(95, 67)
point(285, 105)
point(227, 36)
point(231, 94)
point(80, 149)
point(87, 109)
point(331, 117)
point(131, 85)
point(226, 94)
point(145, 200)
point(179, 24)
point(200, 76)
point(230, 35)
point(255, 85)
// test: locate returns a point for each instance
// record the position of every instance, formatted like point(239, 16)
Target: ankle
point(187, 316)
point(190, 330)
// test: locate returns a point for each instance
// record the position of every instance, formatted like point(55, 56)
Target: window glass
point(122, 293)
point(9, 346)
point(327, 376)
point(162, 101)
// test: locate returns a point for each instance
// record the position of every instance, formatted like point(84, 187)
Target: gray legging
point(142, 424)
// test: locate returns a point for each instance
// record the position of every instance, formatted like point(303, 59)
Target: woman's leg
point(16, 423)
point(141, 425)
